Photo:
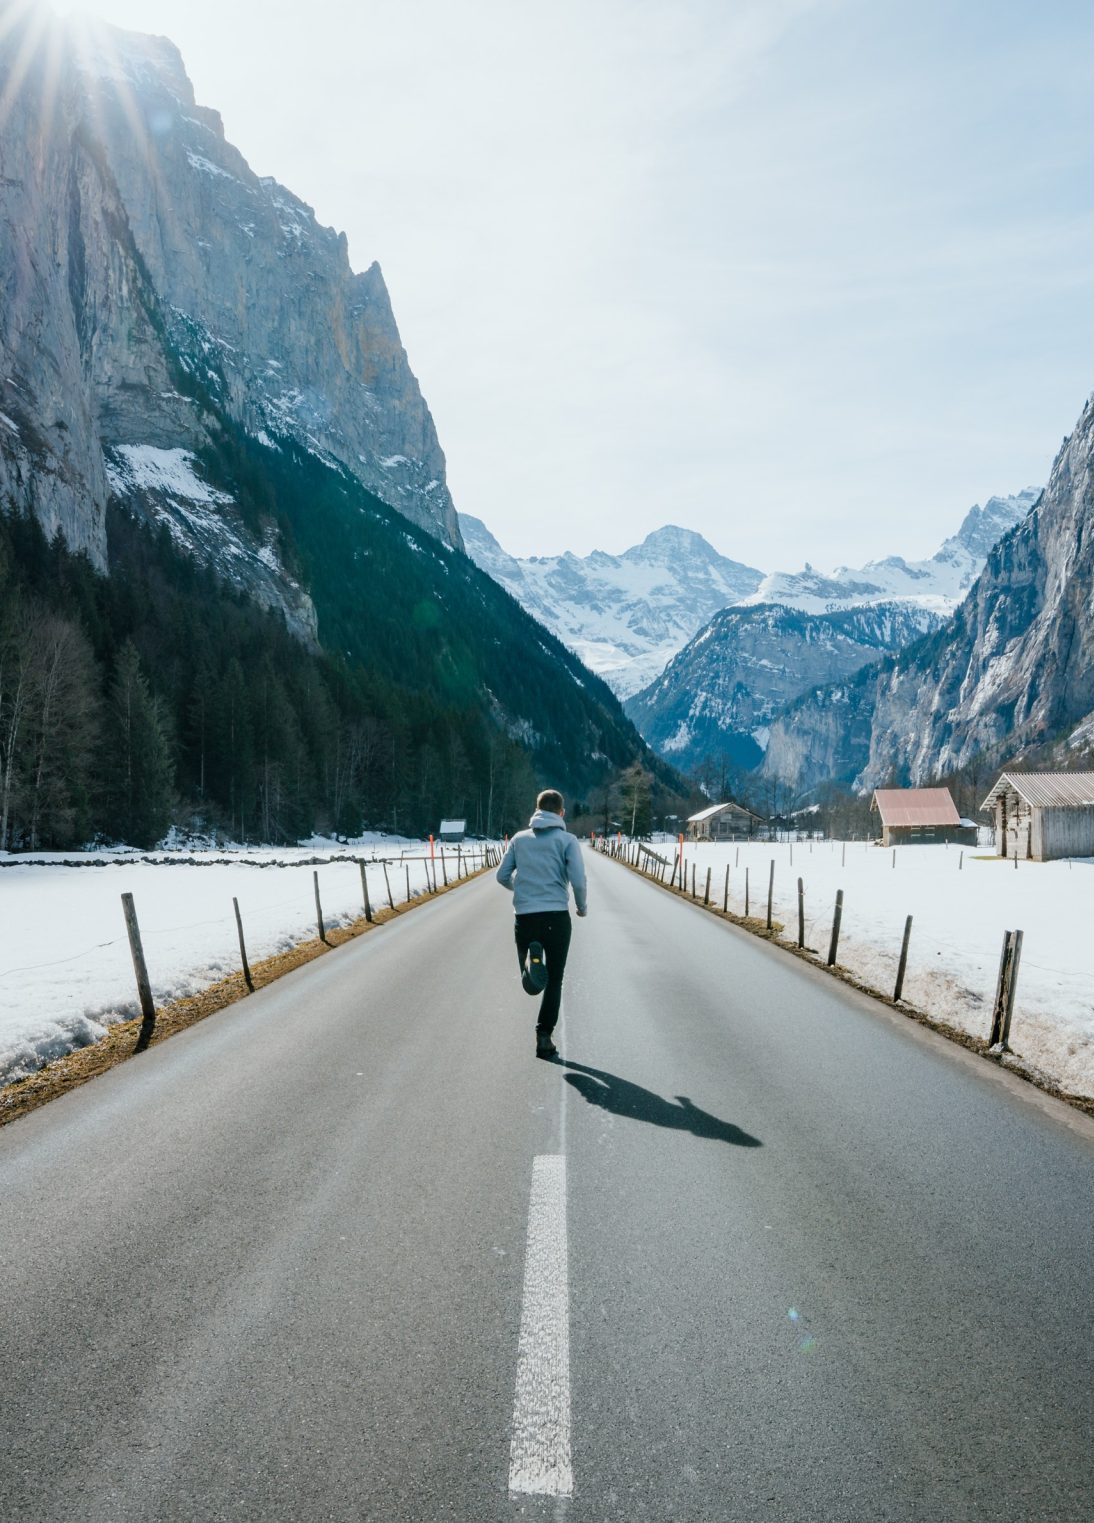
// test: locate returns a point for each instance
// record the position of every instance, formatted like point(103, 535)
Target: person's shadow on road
point(623, 1098)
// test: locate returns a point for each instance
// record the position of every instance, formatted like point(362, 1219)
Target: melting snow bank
point(65, 968)
point(960, 913)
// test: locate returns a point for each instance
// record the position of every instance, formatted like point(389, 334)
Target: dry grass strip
point(758, 927)
point(76, 1068)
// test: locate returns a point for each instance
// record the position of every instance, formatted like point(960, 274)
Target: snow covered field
point(960, 915)
point(65, 968)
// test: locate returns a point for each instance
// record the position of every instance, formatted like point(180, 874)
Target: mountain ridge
point(719, 696)
point(624, 615)
point(1009, 676)
point(629, 615)
point(177, 276)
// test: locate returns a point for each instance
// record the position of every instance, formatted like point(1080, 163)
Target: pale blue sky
point(809, 276)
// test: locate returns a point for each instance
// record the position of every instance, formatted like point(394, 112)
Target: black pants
point(551, 928)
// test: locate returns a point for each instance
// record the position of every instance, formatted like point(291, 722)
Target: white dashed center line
point(539, 1456)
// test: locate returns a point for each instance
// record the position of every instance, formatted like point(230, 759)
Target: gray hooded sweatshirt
point(541, 864)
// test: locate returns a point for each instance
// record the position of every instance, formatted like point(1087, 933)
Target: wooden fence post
point(1000, 989)
point(319, 909)
point(144, 988)
point(725, 893)
point(1005, 990)
point(770, 891)
point(746, 893)
point(801, 914)
point(706, 894)
point(960, 861)
point(833, 945)
point(1012, 986)
point(406, 866)
point(693, 880)
point(903, 963)
point(247, 979)
point(364, 892)
point(387, 885)
point(444, 869)
point(894, 856)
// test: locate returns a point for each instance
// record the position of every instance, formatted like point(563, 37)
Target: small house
point(1043, 815)
point(453, 830)
point(723, 822)
point(920, 817)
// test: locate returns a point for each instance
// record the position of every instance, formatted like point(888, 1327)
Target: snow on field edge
point(65, 967)
point(961, 903)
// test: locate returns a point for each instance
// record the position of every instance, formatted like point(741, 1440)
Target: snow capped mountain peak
point(628, 615)
point(939, 583)
point(670, 541)
point(982, 526)
point(624, 615)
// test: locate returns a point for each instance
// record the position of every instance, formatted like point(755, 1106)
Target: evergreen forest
point(160, 695)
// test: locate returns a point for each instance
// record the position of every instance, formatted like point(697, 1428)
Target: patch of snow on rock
point(171, 471)
point(199, 161)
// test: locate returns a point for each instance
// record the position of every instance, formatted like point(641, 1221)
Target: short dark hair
point(551, 800)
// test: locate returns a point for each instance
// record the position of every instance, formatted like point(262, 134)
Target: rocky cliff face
point(1015, 668)
point(151, 282)
point(721, 693)
point(1011, 673)
point(624, 615)
point(824, 734)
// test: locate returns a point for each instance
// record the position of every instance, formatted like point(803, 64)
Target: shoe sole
point(534, 976)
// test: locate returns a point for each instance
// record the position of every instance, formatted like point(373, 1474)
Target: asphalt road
point(819, 1264)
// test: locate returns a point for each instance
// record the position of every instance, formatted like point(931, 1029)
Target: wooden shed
point(452, 830)
point(724, 822)
point(1043, 815)
point(920, 817)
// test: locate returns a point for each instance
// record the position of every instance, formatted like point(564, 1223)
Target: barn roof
point(916, 806)
point(452, 825)
point(1047, 790)
point(708, 814)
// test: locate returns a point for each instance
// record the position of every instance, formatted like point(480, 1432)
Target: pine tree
point(138, 771)
point(65, 722)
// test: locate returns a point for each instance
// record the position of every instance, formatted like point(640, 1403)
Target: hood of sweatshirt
point(544, 820)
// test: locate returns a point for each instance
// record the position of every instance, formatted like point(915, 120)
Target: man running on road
point(541, 865)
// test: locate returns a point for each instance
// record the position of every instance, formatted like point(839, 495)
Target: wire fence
point(954, 978)
point(185, 953)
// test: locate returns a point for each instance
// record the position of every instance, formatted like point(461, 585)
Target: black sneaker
point(545, 1048)
point(534, 977)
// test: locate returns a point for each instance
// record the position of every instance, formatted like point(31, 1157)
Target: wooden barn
point(724, 822)
point(920, 817)
point(452, 830)
point(1043, 815)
